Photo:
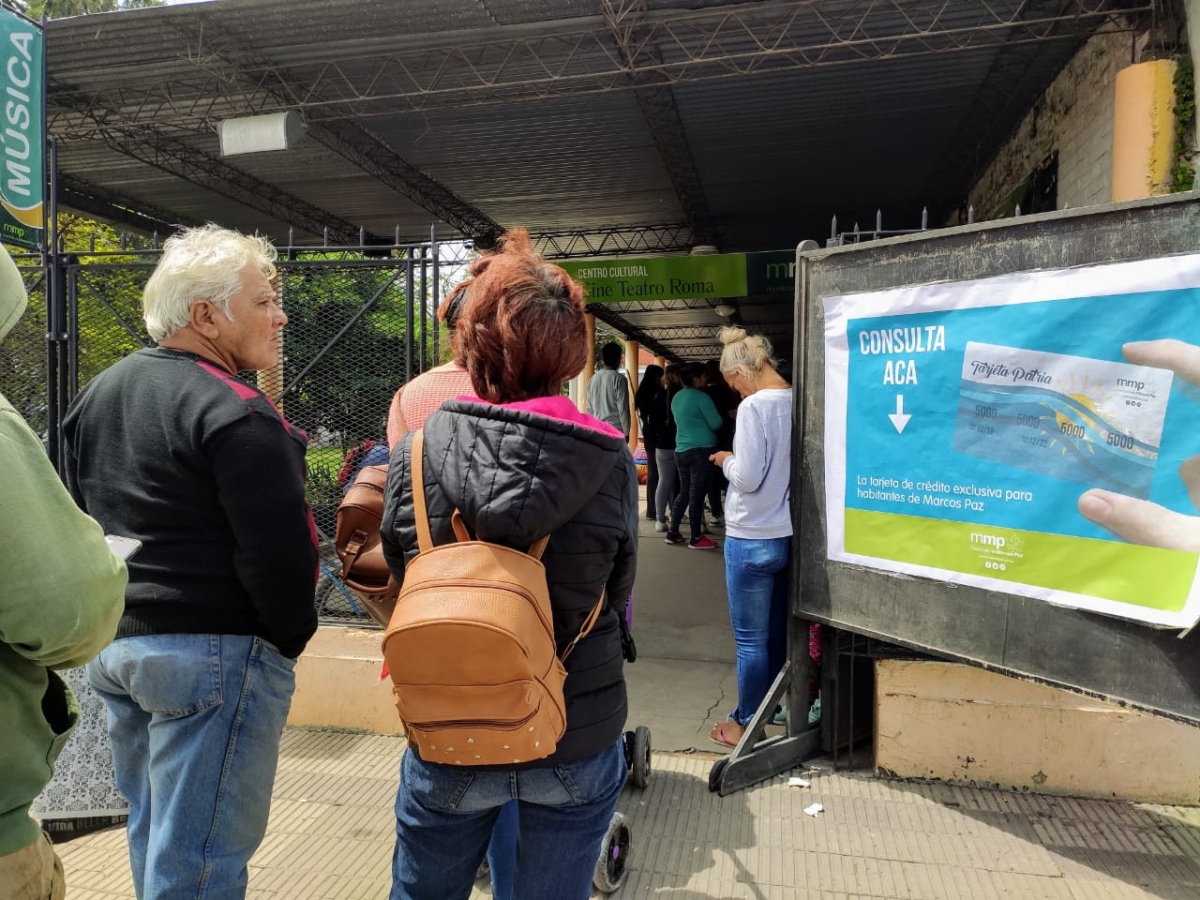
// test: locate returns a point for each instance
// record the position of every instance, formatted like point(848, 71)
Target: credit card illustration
point(1089, 421)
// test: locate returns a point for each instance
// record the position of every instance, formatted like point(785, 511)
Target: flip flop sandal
point(720, 735)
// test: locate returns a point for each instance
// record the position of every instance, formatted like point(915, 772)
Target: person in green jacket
point(61, 594)
point(696, 425)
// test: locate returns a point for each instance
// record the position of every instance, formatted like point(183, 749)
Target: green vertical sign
point(22, 132)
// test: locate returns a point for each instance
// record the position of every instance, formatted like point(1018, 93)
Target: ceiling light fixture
point(258, 134)
point(724, 310)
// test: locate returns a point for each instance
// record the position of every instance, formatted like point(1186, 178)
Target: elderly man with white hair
point(169, 447)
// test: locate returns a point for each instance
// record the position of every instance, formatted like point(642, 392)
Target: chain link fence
point(361, 322)
point(23, 360)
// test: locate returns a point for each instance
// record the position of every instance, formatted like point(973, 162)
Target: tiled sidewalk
point(331, 837)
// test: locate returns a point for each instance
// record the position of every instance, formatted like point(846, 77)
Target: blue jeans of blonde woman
point(756, 580)
point(445, 816)
point(195, 721)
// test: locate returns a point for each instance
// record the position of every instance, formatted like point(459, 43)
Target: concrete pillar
point(1143, 130)
point(631, 371)
point(589, 367)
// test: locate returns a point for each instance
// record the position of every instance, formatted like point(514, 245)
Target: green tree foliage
point(110, 288)
point(61, 9)
point(344, 396)
point(1183, 172)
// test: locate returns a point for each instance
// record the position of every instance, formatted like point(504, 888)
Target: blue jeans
point(195, 721)
point(445, 816)
point(502, 851)
point(668, 484)
point(756, 579)
point(695, 471)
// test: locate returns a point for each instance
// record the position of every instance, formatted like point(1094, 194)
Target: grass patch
point(325, 458)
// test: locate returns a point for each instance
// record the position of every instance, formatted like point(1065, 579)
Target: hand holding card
point(1141, 521)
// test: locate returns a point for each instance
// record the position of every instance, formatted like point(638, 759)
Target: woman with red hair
point(520, 462)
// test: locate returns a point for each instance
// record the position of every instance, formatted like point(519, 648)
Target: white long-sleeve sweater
point(756, 504)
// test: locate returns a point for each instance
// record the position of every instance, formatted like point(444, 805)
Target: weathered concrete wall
point(961, 724)
point(1074, 117)
point(338, 684)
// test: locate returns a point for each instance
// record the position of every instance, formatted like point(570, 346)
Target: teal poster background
point(924, 450)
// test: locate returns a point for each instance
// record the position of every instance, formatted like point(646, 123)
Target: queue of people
point(196, 638)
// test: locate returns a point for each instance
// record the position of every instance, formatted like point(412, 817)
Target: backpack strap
point(588, 625)
point(417, 452)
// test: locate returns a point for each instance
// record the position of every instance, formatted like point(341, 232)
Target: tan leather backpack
point(364, 569)
point(470, 648)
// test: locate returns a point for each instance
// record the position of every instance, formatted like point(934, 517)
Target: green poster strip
point(1145, 577)
point(661, 277)
point(23, 162)
point(718, 275)
point(771, 272)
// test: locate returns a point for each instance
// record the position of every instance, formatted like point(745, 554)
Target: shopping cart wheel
point(639, 767)
point(715, 773)
point(615, 855)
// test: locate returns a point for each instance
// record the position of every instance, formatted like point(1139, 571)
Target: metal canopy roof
point(607, 126)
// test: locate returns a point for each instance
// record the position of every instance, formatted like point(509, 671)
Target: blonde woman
point(758, 522)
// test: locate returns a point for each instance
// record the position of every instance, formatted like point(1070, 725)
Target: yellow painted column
point(1143, 130)
point(631, 371)
point(589, 367)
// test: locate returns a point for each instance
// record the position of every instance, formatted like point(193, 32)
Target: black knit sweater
point(170, 449)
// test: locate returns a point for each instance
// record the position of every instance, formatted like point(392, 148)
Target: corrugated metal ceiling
point(524, 112)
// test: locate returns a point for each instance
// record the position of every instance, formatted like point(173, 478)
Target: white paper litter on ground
point(815, 810)
point(798, 782)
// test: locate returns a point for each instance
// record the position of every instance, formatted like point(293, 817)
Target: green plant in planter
point(1183, 173)
point(324, 494)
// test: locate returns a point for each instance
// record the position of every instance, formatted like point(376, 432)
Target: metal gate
point(361, 322)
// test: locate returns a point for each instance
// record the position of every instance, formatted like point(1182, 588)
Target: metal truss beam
point(650, 306)
point(684, 334)
point(177, 158)
point(605, 313)
point(697, 351)
point(113, 207)
point(580, 56)
point(627, 19)
point(616, 241)
point(358, 146)
point(349, 140)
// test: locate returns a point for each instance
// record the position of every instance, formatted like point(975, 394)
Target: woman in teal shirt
point(696, 425)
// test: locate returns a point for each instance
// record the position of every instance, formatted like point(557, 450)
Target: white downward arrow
point(899, 419)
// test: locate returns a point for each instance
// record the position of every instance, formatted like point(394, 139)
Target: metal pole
point(408, 315)
point(437, 288)
point(56, 395)
point(72, 283)
point(424, 312)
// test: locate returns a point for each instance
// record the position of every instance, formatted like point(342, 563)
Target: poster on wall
point(1036, 434)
